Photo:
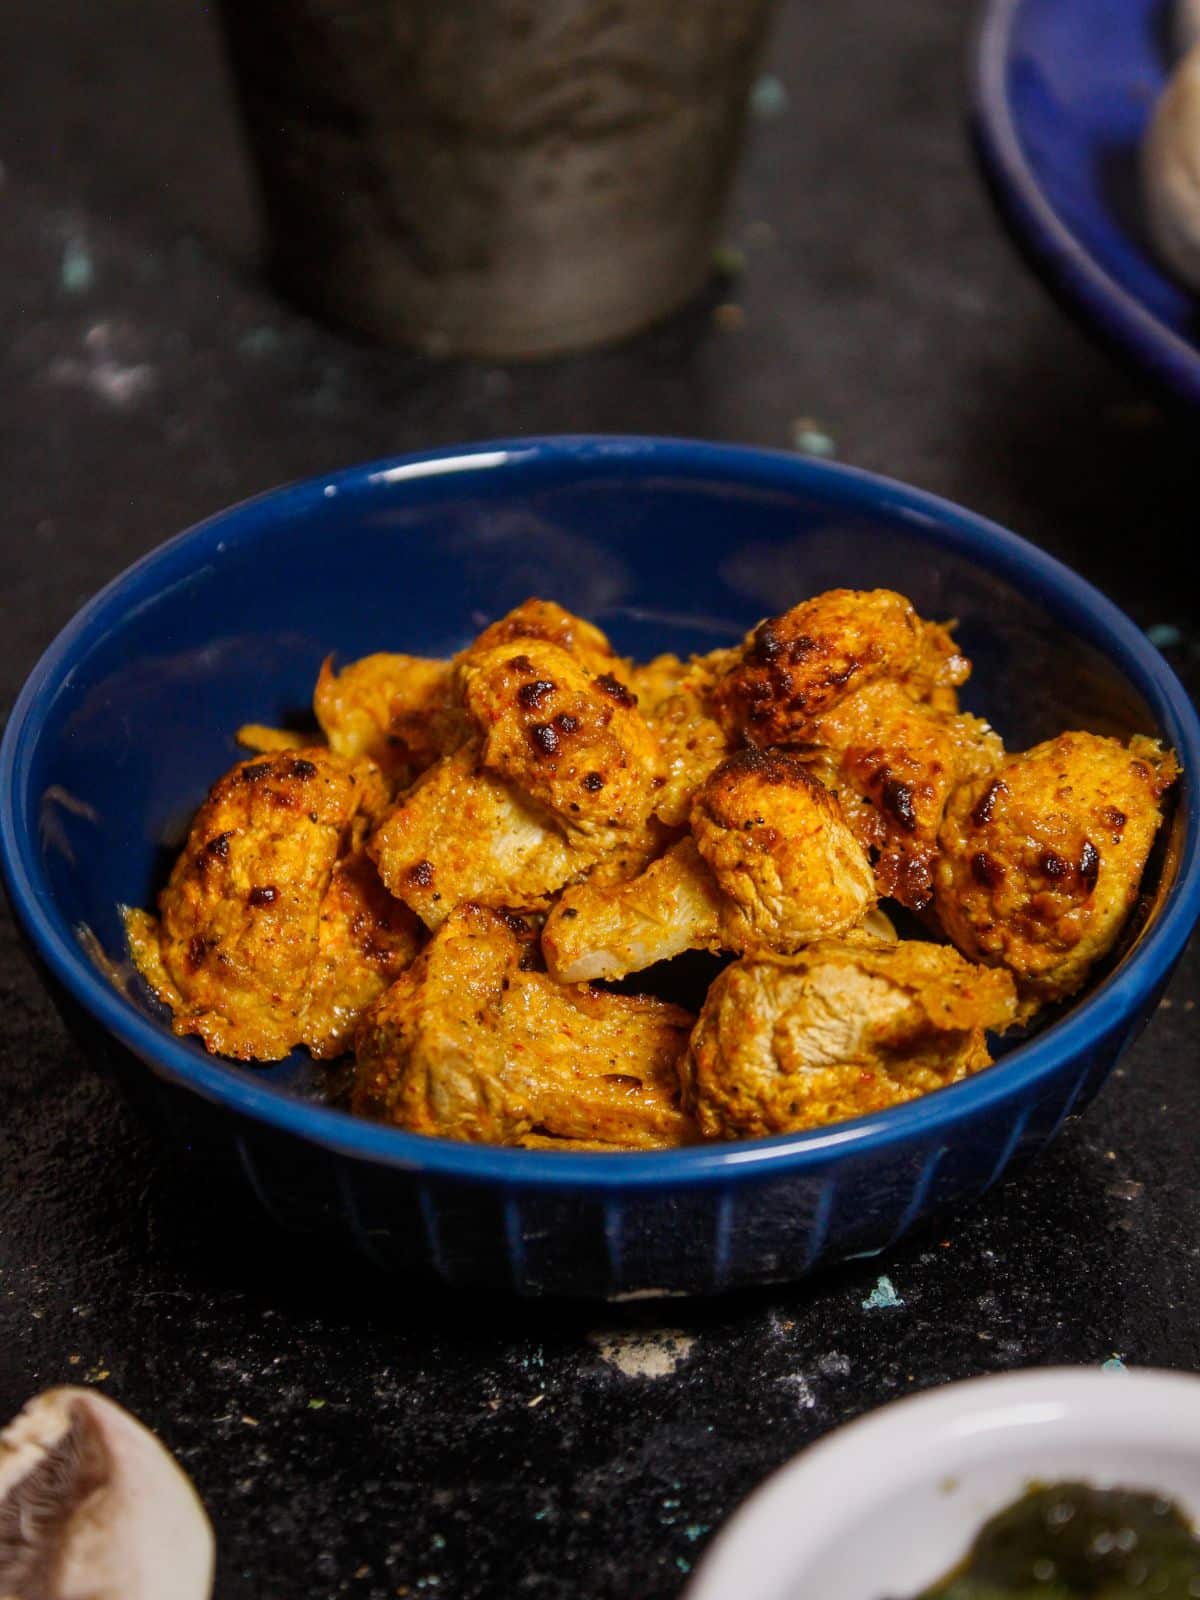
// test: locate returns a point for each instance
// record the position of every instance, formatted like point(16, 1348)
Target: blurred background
point(870, 307)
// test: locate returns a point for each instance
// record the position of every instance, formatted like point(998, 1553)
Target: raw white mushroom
point(92, 1507)
point(1171, 172)
point(1187, 25)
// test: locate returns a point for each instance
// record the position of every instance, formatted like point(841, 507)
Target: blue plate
point(1063, 91)
point(128, 717)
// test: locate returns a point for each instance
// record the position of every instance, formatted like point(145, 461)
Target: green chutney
point(1068, 1541)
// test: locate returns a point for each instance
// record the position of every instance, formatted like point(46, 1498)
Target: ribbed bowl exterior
point(639, 1244)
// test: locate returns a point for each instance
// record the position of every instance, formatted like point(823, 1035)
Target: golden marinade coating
point(656, 681)
point(939, 670)
point(390, 708)
point(674, 698)
point(558, 775)
point(461, 833)
point(600, 929)
point(474, 1043)
point(402, 711)
point(770, 864)
point(659, 680)
point(365, 940)
point(1042, 859)
point(630, 852)
point(552, 624)
point(648, 809)
point(263, 739)
point(238, 946)
point(845, 1028)
point(787, 864)
point(895, 761)
point(573, 742)
point(692, 745)
point(794, 667)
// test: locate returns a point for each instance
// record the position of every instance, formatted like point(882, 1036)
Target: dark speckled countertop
point(356, 1436)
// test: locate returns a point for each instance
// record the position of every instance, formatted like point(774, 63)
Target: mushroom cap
point(93, 1507)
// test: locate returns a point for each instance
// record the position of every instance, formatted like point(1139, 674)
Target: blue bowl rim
point(1115, 312)
point(1088, 613)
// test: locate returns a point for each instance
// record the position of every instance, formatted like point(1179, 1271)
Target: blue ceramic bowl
point(128, 718)
point(1063, 91)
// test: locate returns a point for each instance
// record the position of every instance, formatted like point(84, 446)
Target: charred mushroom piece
point(476, 1043)
point(272, 930)
point(780, 848)
point(1041, 861)
point(771, 864)
point(846, 1028)
point(545, 620)
point(793, 668)
point(894, 761)
point(394, 709)
point(92, 1507)
point(569, 741)
point(603, 930)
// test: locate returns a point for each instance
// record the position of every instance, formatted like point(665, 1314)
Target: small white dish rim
point(888, 1503)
